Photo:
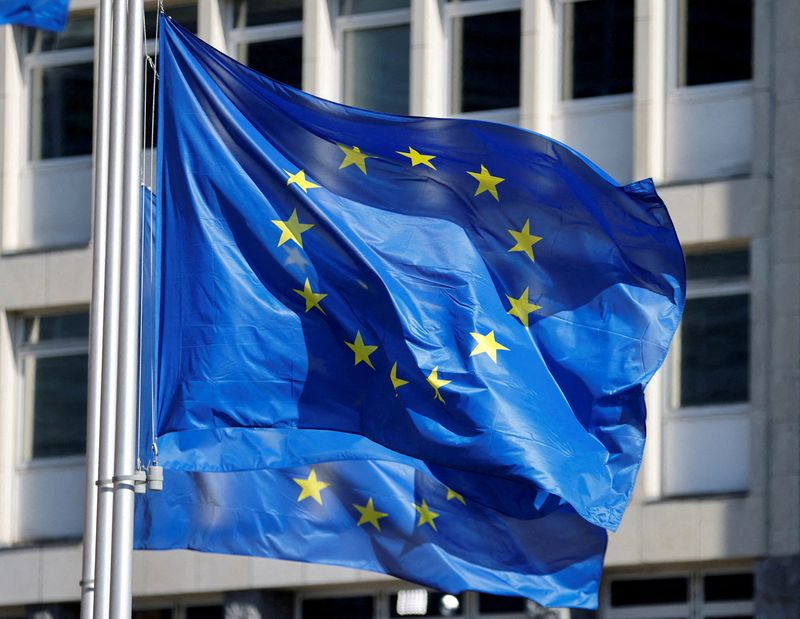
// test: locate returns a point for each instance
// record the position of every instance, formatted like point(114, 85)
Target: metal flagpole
point(108, 397)
point(127, 387)
point(101, 148)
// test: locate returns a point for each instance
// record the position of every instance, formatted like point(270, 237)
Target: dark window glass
point(376, 64)
point(718, 41)
point(423, 603)
point(718, 265)
point(501, 604)
point(724, 587)
point(346, 608)
point(261, 12)
point(56, 393)
point(715, 350)
point(352, 7)
point(281, 60)
point(598, 48)
point(186, 16)
point(205, 612)
point(79, 32)
point(486, 62)
point(649, 591)
point(160, 613)
point(56, 327)
point(61, 115)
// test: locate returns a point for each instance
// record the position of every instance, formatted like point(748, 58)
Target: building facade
point(701, 95)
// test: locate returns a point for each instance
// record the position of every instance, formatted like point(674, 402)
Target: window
point(714, 340)
point(706, 427)
point(694, 595)
point(598, 48)
point(375, 39)
point(484, 56)
point(205, 612)
point(268, 37)
point(54, 362)
point(361, 607)
point(60, 74)
point(715, 41)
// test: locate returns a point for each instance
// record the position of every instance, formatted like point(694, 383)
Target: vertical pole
point(108, 397)
point(128, 366)
point(101, 146)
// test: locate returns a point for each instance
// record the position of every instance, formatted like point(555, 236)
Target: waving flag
point(364, 314)
point(44, 14)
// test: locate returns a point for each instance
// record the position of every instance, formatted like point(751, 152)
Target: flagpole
point(108, 390)
point(128, 365)
point(101, 147)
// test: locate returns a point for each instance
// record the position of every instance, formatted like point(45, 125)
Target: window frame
point(453, 10)
point(562, 55)
point(23, 351)
point(676, 55)
point(371, 20)
point(695, 607)
point(48, 60)
point(245, 35)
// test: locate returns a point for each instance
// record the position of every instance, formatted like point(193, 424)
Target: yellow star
point(418, 158)
point(487, 344)
point(291, 229)
point(436, 382)
point(354, 156)
point(370, 514)
point(300, 179)
point(525, 240)
point(396, 381)
point(486, 182)
point(426, 516)
point(452, 494)
point(312, 298)
point(522, 307)
point(311, 487)
point(361, 350)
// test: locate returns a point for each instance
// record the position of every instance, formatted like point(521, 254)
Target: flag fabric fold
point(415, 303)
point(44, 14)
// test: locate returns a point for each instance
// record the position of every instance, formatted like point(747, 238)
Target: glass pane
point(501, 604)
point(161, 613)
point(61, 111)
point(649, 591)
point(261, 12)
point(424, 603)
point(376, 65)
point(718, 265)
point(717, 40)
point(349, 608)
point(351, 7)
point(79, 32)
point(724, 587)
point(205, 612)
point(715, 351)
point(56, 327)
point(185, 15)
point(55, 404)
point(281, 60)
point(598, 48)
point(486, 55)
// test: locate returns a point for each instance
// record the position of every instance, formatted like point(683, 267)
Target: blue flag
point(363, 314)
point(44, 14)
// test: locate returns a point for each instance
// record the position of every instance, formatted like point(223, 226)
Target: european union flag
point(44, 14)
point(411, 345)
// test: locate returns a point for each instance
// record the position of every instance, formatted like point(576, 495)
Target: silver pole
point(108, 397)
point(127, 388)
point(101, 146)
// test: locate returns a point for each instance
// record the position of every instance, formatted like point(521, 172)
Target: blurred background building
point(701, 95)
